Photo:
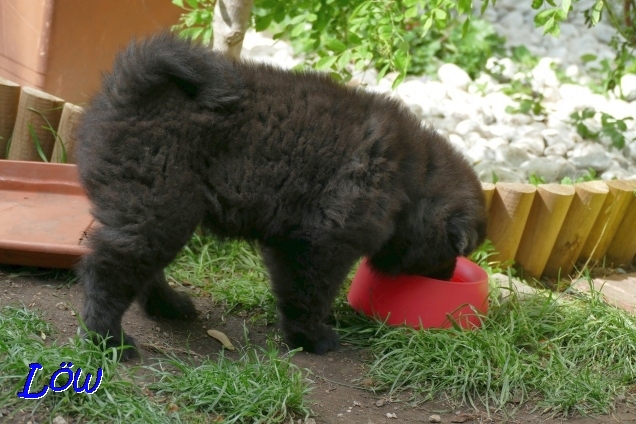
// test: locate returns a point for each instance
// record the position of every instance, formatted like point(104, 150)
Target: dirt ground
point(334, 398)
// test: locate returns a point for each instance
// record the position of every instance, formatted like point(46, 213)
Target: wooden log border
point(25, 112)
point(545, 229)
point(548, 228)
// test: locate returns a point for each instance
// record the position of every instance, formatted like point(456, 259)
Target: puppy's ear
point(463, 234)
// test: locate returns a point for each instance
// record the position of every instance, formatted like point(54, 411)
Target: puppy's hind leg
point(306, 279)
point(126, 263)
point(159, 300)
point(109, 289)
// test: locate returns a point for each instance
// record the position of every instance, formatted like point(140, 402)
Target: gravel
point(512, 146)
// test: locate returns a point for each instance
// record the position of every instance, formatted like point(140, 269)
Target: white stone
point(498, 102)
point(586, 43)
point(542, 167)
point(367, 77)
point(497, 142)
point(558, 122)
point(504, 67)
point(575, 92)
point(628, 87)
point(448, 124)
point(459, 95)
point(480, 153)
point(513, 20)
point(591, 156)
point(534, 145)
point(506, 5)
point(483, 84)
point(502, 131)
point(485, 172)
point(435, 110)
point(436, 90)
point(435, 418)
point(457, 142)
point(285, 59)
point(601, 31)
point(558, 148)
point(260, 48)
point(567, 170)
point(619, 109)
point(423, 108)
point(550, 95)
point(559, 52)
point(532, 129)
point(618, 160)
point(572, 71)
point(448, 108)
point(515, 119)
point(632, 150)
point(387, 80)
point(511, 154)
point(568, 31)
point(485, 116)
point(453, 76)
point(552, 136)
point(416, 109)
point(466, 126)
point(473, 138)
point(616, 172)
point(412, 90)
point(586, 148)
point(544, 75)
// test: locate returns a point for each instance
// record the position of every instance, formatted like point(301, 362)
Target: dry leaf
point(220, 336)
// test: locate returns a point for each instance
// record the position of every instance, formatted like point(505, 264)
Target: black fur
point(318, 173)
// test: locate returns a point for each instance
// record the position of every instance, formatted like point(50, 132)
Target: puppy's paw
point(176, 306)
point(125, 345)
point(319, 342)
point(126, 348)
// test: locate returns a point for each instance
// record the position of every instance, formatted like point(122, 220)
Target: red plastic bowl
point(421, 302)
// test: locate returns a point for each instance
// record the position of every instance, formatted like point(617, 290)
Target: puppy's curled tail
point(207, 77)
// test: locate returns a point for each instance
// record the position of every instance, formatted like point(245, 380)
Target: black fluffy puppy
point(318, 173)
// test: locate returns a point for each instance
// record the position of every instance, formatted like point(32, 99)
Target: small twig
point(626, 10)
point(159, 349)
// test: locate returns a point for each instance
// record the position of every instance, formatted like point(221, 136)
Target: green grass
point(231, 272)
point(261, 386)
point(564, 353)
point(257, 388)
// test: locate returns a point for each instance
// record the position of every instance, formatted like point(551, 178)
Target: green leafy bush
point(403, 36)
point(406, 36)
point(611, 127)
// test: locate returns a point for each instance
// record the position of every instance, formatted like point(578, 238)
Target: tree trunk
point(231, 20)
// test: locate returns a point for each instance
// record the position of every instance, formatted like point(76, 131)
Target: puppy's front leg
point(306, 279)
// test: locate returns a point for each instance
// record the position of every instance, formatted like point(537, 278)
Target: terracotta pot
point(44, 214)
